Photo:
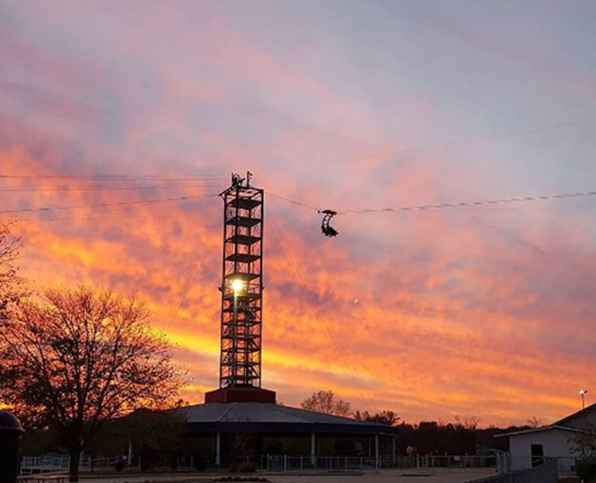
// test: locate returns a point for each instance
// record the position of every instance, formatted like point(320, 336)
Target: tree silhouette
point(78, 358)
point(326, 402)
point(384, 417)
point(534, 422)
point(11, 290)
point(469, 423)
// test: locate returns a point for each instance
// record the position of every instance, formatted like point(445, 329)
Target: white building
point(559, 440)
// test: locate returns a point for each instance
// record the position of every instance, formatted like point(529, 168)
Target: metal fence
point(285, 463)
point(59, 463)
point(278, 463)
point(457, 461)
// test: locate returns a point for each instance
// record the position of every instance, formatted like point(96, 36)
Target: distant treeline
point(451, 438)
point(161, 433)
point(457, 438)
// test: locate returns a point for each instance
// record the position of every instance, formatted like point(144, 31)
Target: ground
point(398, 476)
point(431, 475)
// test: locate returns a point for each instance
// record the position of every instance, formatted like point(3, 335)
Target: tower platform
point(233, 394)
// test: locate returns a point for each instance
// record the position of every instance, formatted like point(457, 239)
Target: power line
point(102, 205)
point(425, 207)
point(113, 177)
point(41, 189)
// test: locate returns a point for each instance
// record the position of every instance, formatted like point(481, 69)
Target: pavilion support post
point(218, 449)
point(313, 449)
point(394, 442)
point(376, 451)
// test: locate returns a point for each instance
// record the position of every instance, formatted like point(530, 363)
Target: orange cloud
point(431, 316)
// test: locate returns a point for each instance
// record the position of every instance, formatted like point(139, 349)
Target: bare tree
point(534, 422)
point(78, 358)
point(384, 417)
point(325, 402)
point(584, 442)
point(10, 285)
point(469, 423)
point(149, 435)
point(583, 445)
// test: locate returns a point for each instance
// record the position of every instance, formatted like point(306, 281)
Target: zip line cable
point(328, 215)
point(294, 202)
point(520, 199)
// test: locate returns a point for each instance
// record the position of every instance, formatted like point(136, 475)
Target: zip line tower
point(241, 295)
point(240, 407)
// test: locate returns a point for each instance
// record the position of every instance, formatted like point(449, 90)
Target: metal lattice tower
point(242, 285)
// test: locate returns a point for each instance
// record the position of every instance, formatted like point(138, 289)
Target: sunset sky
point(486, 312)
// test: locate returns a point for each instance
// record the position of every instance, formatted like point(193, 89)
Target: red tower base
point(240, 394)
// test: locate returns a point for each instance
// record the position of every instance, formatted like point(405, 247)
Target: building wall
point(556, 444)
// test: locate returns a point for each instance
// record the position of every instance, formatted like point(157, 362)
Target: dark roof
point(541, 429)
point(267, 417)
point(569, 420)
point(573, 423)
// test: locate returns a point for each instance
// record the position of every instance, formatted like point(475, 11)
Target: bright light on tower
point(238, 286)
